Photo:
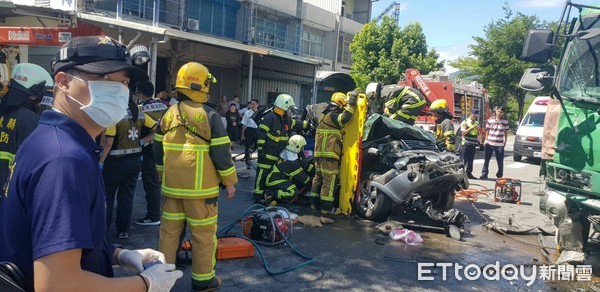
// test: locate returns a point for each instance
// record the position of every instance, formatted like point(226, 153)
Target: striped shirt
point(496, 130)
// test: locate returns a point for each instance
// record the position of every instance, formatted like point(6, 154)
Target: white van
point(528, 140)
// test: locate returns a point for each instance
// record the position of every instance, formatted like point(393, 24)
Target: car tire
point(517, 157)
point(372, 204)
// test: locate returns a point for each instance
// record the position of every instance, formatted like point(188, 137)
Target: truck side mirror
point(538, 46)
point(533, 79)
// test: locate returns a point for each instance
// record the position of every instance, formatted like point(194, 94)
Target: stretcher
point(351, 155)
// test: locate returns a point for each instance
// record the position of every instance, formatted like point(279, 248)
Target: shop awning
point(45, 36)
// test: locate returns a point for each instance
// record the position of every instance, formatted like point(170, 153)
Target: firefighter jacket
point(127, 133)
point(444, 133)
point(17, 120)
point(192, 152)
point(404, 102)
point(471, 137)
point(328, 138)
point(273, 134)
point(155, 109)
point(287, 170)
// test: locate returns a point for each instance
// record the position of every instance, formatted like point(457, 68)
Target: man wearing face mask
point(19, 113)
point(52, 208)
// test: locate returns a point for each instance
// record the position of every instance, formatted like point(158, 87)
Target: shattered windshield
point(579, 73)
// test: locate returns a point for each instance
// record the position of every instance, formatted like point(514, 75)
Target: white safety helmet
point(284, 101)
point(296, 143)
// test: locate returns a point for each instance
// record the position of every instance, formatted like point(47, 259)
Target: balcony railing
point(169, 10)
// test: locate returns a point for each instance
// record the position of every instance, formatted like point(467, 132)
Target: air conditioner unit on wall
point(193, 24)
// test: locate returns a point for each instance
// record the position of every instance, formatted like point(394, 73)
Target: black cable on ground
point(222, 233)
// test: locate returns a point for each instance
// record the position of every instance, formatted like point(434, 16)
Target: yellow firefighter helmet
point(296, 143)
point(339, 98)
point(439, 105)
point(193, 80)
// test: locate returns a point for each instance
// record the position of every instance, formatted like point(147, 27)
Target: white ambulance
point(528, 139)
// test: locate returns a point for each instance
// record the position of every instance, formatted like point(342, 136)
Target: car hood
point(378, 126)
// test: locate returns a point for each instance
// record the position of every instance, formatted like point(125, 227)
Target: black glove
point(352, 97)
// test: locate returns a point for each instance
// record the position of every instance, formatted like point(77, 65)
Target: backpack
point(261, 112)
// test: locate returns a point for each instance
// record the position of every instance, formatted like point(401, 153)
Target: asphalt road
point(351, 255)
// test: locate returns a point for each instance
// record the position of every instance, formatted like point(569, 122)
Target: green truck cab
point(571, 141)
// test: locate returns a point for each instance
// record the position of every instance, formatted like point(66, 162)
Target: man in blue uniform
point(52, 208)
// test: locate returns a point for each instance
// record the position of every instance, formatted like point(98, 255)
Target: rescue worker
point(328, 151)
point(155, 109)
point(403, 103)
point(288, 176)
point(444, 129)
point(19, 110)
point(470, 131)
point(273, 133)
point(195, 148)
point(120, 164)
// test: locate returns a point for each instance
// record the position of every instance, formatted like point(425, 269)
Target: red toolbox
point(234, 248)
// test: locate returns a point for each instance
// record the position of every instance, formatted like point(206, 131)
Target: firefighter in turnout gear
point(288, 176)
point(193, 154)
point(273, 133)
point(328, 151)
point(470, 131)
point(402, 103)
point(444, 129)
point(19, 112)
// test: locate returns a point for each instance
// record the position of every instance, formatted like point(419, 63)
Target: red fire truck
point(461, 98)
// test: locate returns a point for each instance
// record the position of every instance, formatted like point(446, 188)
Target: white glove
point(134, 260)
point(161, 277)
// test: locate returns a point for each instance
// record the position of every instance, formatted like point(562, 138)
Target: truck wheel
point(372, 203)
point(517, 158)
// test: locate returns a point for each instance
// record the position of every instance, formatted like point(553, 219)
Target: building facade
point(255, 48)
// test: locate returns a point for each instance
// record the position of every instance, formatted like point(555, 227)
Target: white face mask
point(109, 101)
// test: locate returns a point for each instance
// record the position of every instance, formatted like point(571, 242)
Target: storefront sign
point(18, 35)
point(45, 36)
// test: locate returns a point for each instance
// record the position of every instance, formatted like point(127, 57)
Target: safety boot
point(211, 285)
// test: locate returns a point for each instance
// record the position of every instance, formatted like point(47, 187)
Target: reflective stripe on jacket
point(404, 106)
point(273, 134)
point(285, 171)
point(192, 152)
point(444, 133)
point(127, 134)
point(471, 137)
point(328, 138)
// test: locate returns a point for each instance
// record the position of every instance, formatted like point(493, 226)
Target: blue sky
point(450, 25)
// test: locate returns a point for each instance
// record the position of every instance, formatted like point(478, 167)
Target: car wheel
point(372, 203)
point(517, 158)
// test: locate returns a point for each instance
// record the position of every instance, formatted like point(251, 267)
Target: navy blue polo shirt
point(54, 199)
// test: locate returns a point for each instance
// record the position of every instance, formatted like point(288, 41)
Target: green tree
point(494, 58)
point(383, 51)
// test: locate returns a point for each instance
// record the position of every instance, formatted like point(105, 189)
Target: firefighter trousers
point(324, 183)
point(201, 216)
point(264, 166)
point(282, 192)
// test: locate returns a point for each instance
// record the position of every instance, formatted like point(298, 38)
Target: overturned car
point(402, 165)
